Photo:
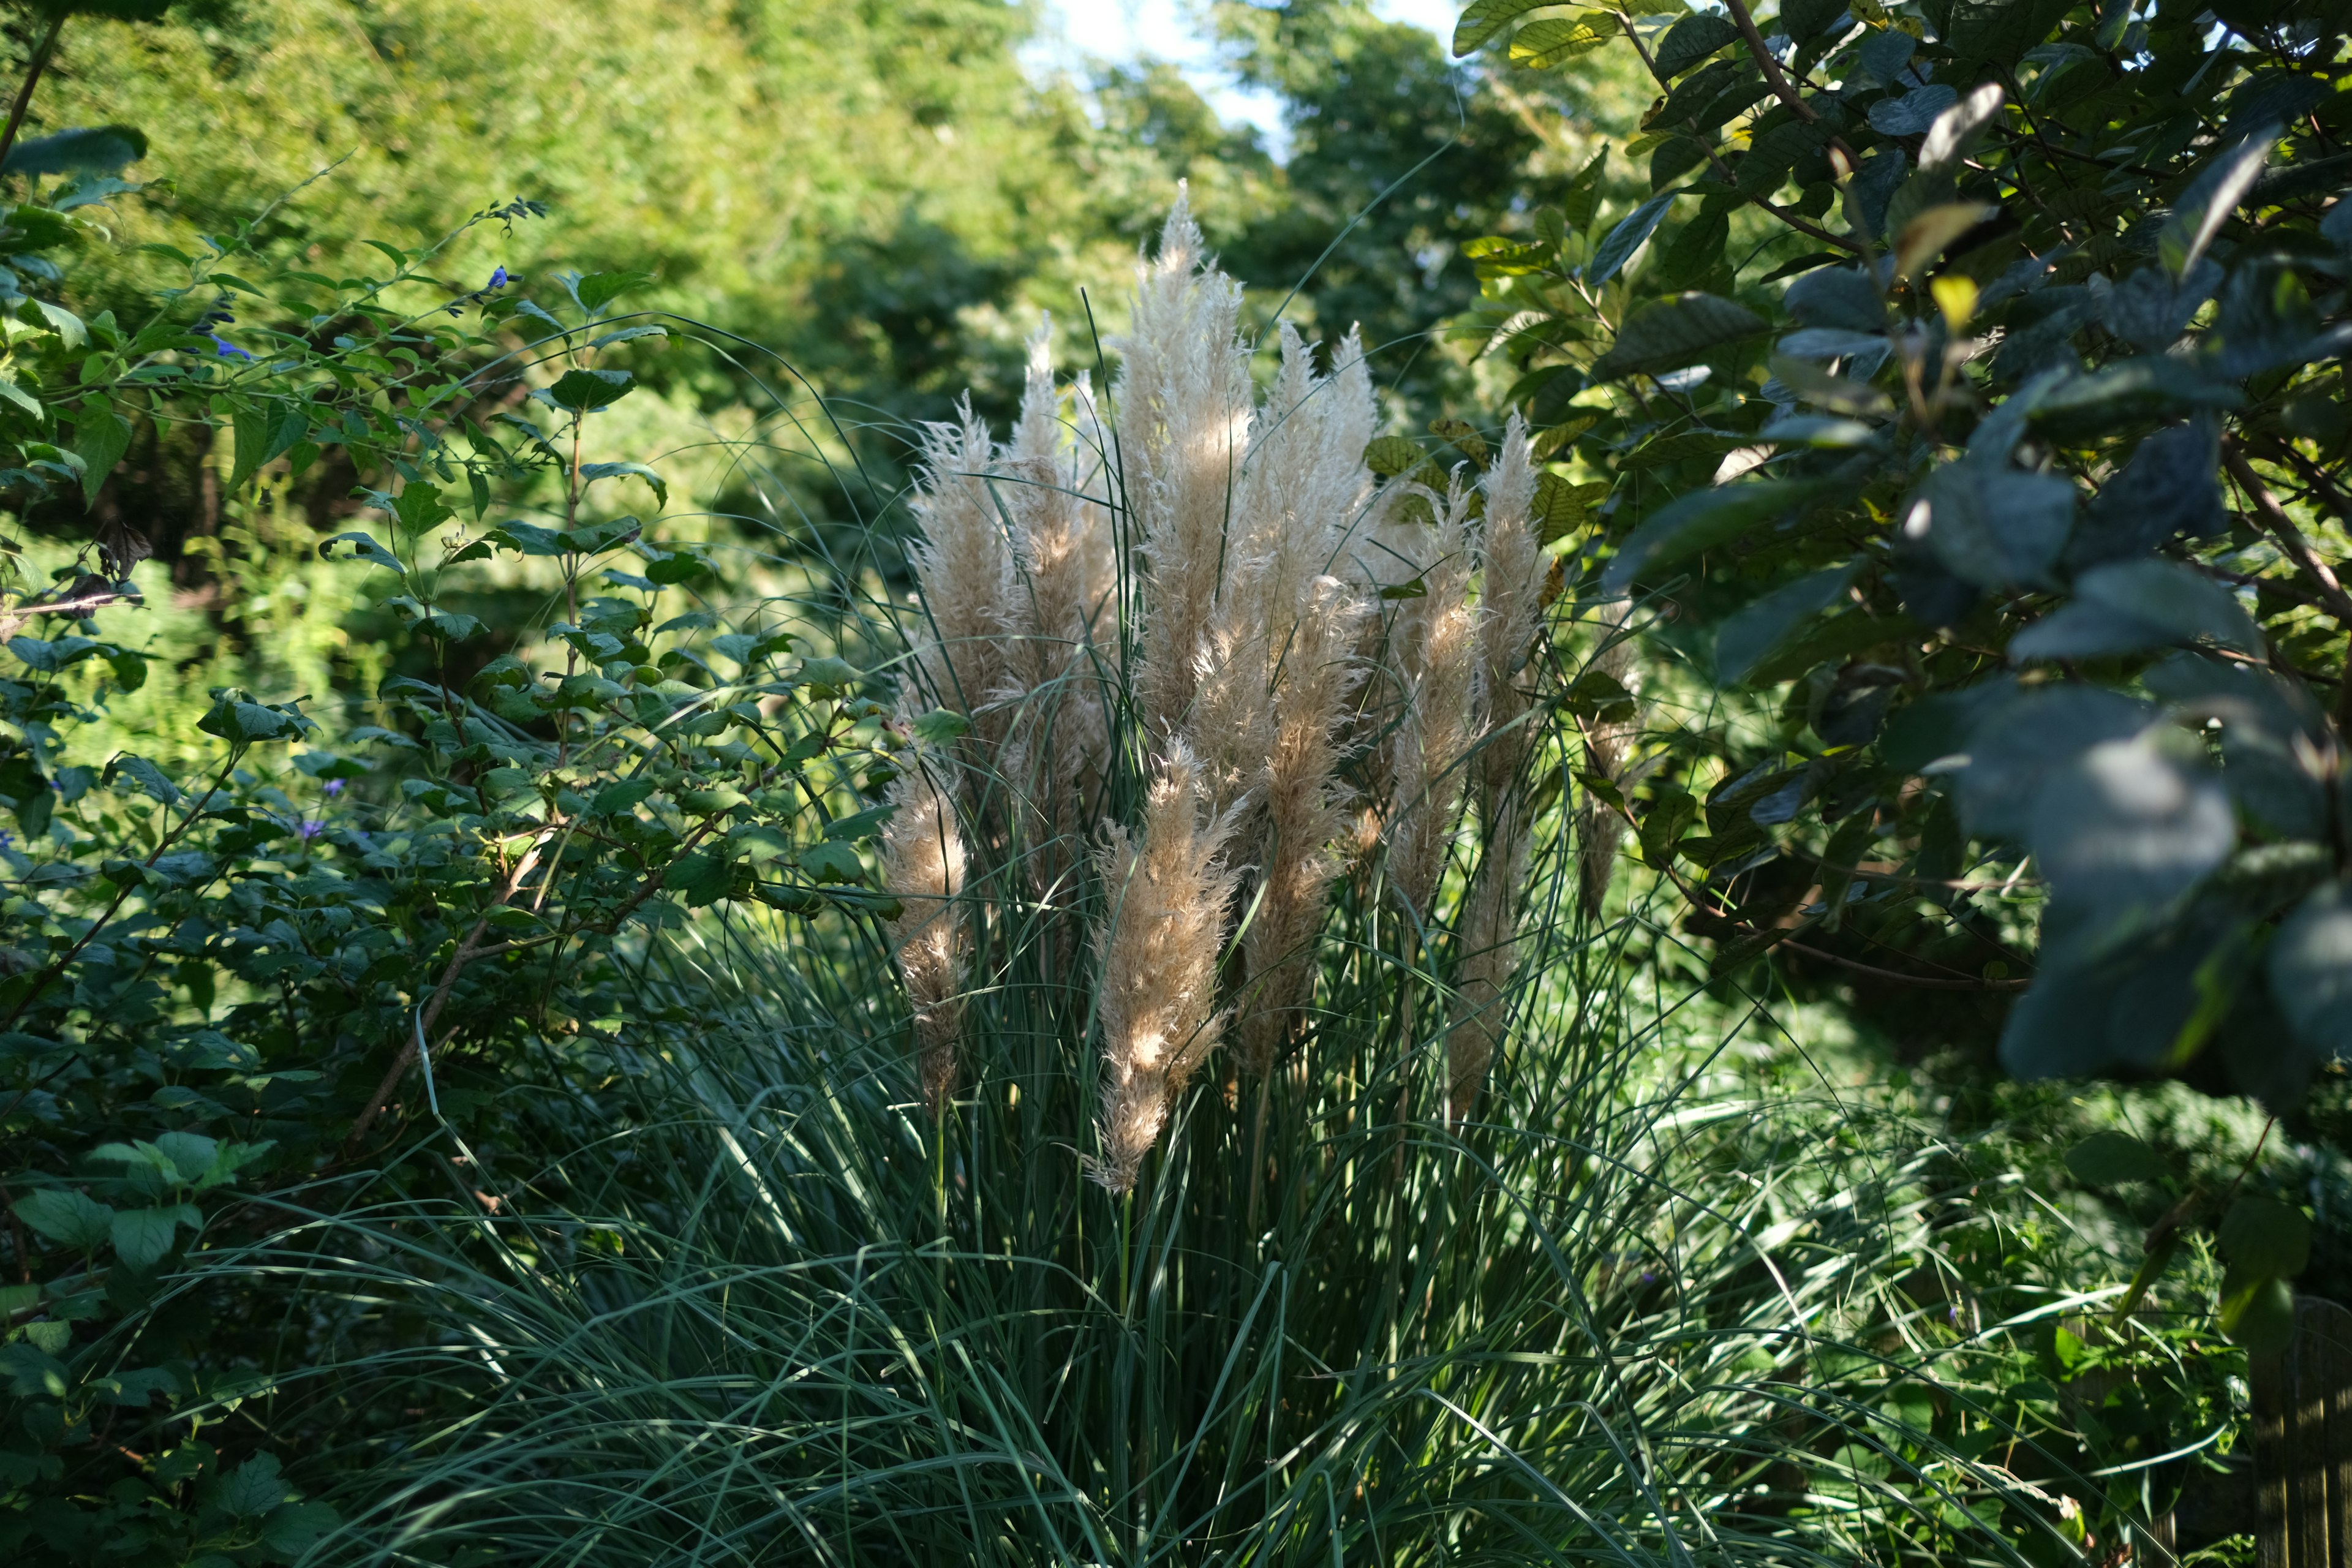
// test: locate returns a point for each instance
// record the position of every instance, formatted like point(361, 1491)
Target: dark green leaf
point(1699, 521)
point(1626, 238)
point(100, 150)
point(1482, 19)
point(141, 1237)
point(363, 547)
point(2130, 824)
point(1693, 40)
point(2263, 1238)
point(591, 472)
point(2110, 1158)
point(1669, 334)
point(1994, 525)
point(66, 1217)
point(2310, 963)
point(599, 290)
point(584, 391)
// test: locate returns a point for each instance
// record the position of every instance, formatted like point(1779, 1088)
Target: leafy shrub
point(2013, 508)
point(220, 974)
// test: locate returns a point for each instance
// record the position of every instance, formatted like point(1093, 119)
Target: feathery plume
point(1488, 948)
point(1435, 640)
point(1182, 404)
point(963, 565)
point(1061, 550)
point(922, 868)
point(1157, 950)
point(1303, 812)
point(1510, 592)
point(1510, 595)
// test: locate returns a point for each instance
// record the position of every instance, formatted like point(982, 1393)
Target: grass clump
point(1480, 1242)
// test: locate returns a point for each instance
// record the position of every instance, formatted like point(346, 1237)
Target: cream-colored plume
point(923, 867)
point(1165, 914)
point(1181, 402)
point(1510, 593)
point(1303, 812)
point(1487, 955)
point(964, 565)
point(1435, 644)
point(1510, 602)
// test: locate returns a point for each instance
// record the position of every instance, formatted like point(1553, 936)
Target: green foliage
point(2044, 300)
point(225, 959)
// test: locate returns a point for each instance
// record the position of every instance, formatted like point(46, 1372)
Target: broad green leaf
point(418, 509)
point(2208, 203)
point(33, 1373)
point(66, 1217)
point(940, 726)
point(141, 1237)
point(1994, 525)
point(2130, 824)
point(1482, 19)
point(1626, 238)
point(1915, 112)
point(2264, 1238)
point(1670, 334)
point(591, 472)
point(700, 879)
point(2014, 740)
point(1924, 237)
point(363, 547)
point(2310, 964)
point(1699, 521)
point(2110, 1158)
point(1555, 40)
point(2131, 607)
point(1838, 297)
point(1955, 128)
point(584, 391)
point(252, 1489)
point(2172, 485)
point(2260, 1317)
point(100, 149)
point(1393, 455)
point(832, 862)
point(1754, 631)
point(1580, 203)
point(599, 290)
point(1693, 40)
point(101, 438)
point(243, 722)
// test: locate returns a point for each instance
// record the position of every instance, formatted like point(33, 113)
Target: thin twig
point(1925, 981)
point(39, 63)
point(2274, 518)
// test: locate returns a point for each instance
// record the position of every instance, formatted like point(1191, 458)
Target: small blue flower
point(7, 839)
point(309, 830)
point(499, 279)
point(333, 786)
point(228, 349)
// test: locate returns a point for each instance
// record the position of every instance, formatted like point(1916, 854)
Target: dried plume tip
point(1166, 900)
point(1435, 640)
point(1511, 604)
point(923, 868)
